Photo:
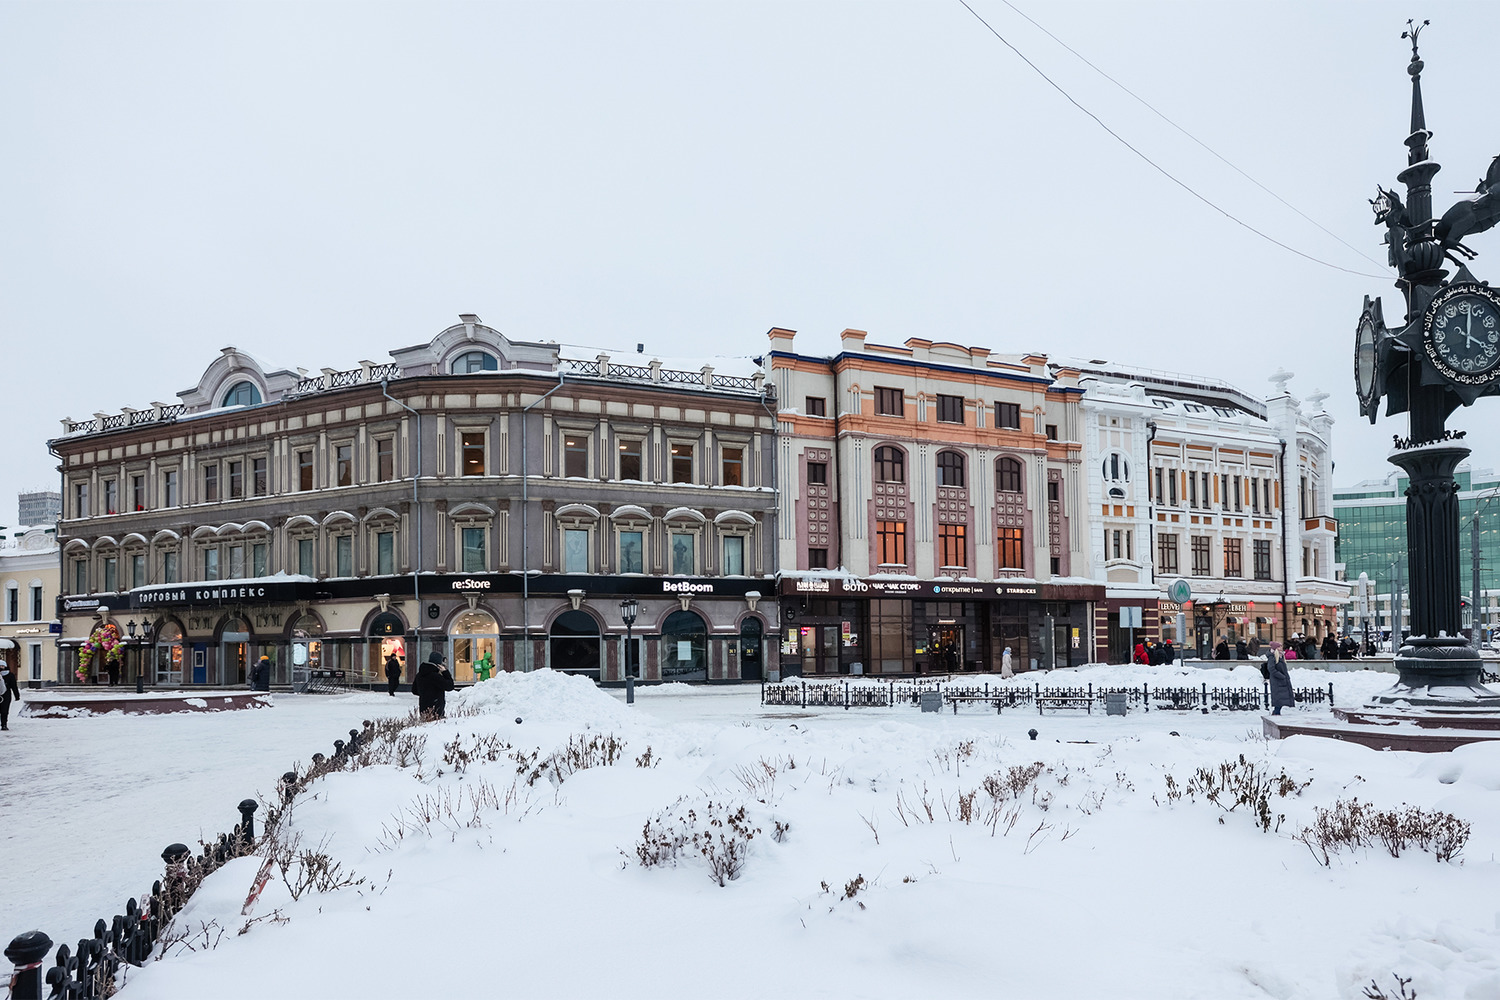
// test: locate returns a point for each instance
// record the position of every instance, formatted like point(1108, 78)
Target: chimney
point(852, 340)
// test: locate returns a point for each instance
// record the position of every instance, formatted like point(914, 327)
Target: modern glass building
point(1372, 540)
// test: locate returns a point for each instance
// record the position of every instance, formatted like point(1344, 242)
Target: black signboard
point(387, 623)
point(934, 590)
point(225, 593)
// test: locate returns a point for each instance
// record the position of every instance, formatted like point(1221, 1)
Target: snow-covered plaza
point(892, 853)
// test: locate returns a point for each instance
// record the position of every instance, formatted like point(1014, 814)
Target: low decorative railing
point(885, 694)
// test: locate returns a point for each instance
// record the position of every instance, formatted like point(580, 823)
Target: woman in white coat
point(1006, 670)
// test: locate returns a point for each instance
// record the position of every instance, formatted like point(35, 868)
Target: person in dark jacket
point(8, 690)
point(1330, 647)
point(432, 684)
point(1168, 653)
point(1221, 651)
point(392, 674)
point(1280, 678)
point(1241, 651)
point(260, 678)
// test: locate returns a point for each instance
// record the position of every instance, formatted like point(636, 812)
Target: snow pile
point(547, 696)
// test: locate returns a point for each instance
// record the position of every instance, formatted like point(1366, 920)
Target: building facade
point(28, 590)
point(39, 507)
point(1372, 542)
point(931, 511)
point(1191, 479)
point(494, 499)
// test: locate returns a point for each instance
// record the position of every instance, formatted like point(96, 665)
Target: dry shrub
point(1350, 824)
point(721, 835)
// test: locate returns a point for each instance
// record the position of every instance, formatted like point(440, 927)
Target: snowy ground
point(1100, 887)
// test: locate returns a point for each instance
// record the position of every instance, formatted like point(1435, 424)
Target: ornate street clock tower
point(1446, 354)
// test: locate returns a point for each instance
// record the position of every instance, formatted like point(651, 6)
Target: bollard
point(1031, 733)
point(354, 741)
point(27, 952)
point(288, 786)
point(338, 748)
point(247, 822)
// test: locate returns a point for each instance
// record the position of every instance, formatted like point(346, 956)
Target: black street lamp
point(140, 684)
point(628, 611)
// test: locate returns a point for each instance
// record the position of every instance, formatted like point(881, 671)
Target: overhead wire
point(1213, 152)
point(1157, 166)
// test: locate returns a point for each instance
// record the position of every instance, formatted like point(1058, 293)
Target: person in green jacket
point(485, 666)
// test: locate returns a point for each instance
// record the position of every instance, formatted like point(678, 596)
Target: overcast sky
point(320, 183)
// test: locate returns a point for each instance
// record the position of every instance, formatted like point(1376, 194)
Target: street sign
point(1180, 591)
point(1130, 617)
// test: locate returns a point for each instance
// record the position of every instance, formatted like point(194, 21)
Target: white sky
point(318, 184)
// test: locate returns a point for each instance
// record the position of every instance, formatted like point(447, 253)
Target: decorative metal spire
point(1418, 119)
point(1423, 257)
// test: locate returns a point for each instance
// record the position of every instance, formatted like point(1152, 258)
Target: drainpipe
point(1150, 510)
point(416, 520)
point(1286, 552)
point(525, 536)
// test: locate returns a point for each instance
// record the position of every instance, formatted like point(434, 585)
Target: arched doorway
point(234, 652)
point(474, 637)
point(751, 657)
point(575, 644)
point(169, 653)
point(684, 647)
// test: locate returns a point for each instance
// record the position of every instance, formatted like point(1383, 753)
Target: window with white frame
point(684, 552)
point(575, 550)
point(632, 549)
point(472, 549)
point(12, 602)
point(576, 456)
point(385, 553)
point(343, 555)
point(734, 555)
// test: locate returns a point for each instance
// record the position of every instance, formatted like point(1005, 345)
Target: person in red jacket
point(1140, 654)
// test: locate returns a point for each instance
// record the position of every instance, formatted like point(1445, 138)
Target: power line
point(1158, 167)
point(1215, 153)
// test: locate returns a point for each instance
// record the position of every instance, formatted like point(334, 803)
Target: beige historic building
point(28, 601)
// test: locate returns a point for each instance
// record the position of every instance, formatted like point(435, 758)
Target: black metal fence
point(885, 694)
point(89, 971)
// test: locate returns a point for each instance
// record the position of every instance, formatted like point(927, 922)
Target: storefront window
point(684, 647)
point(307, 648)
point(474, 637)
point(575, 643)
point(169, 654)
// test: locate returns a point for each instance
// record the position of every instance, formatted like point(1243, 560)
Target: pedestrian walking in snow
point(392, 675)
point(8, 691)
point(1221, 651)
point(432, 684)
point(1006, 669)
point(1280, 678)
point(1168, 653)
point(260, 677)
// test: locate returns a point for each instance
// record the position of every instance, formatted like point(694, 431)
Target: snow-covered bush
point(1349, 824)
point(721, 835)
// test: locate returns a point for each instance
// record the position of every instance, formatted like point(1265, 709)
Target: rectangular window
point(343, 457)
point(1302, 500)
point(576, 550)
point(1192, 489)
point(576, 456)
point(211, 482)
point(111, 496)
point(111, 574)
point(1159, 496)
point(952, 545)
point(1117, 547)
point(385, 553)
point(304, 470)
point(1262, 548)
point(734, 466)
point(385, 459)
point(1054, 490)
point(950, 409)
point(211, 563)
point(236, 480)
point(817, 558)
point(36, 661)
point(1008, 416)
point(259, 481)
point(343, 554)
point(1201, 555)
point(682, 463)
point(36, 603)
point(137, 492)
point(1171, 487)
point(81, 500)
point(236, 562)
point(1129, 544)
point(1239, 492)
point(632, 552)
point(258, 567)
point(12, 605)
point(630, 460)
point(817, 406)
point(734, 555)
point(307, 564)
point(817, 473)
point(1166, 553)
point(1208, 502)
point(1011, 554)
point(473, 454)
point(1232, 558)
point(1051, 432)
point(683, 562)
point(473, 550)
point(169, 567)
point(1305, 560)
point(1255, 496)
point(890, 402)
point(81, 576)
point(891, 539)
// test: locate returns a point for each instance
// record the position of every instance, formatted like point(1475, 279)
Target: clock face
point(1463, 333)
point(1364, 359)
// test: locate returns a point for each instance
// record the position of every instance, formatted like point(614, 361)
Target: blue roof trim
point(925, 364)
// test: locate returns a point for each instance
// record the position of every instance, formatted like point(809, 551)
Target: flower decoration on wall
point(103, 641)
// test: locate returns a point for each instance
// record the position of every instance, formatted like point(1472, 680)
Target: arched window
point(242, 394)
point(474, 361)
point(575, 643)
point(890, 465)
point(1008, 476)
point(950, 468)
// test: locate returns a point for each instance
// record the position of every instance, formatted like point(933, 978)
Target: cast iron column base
point(1441, 673)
